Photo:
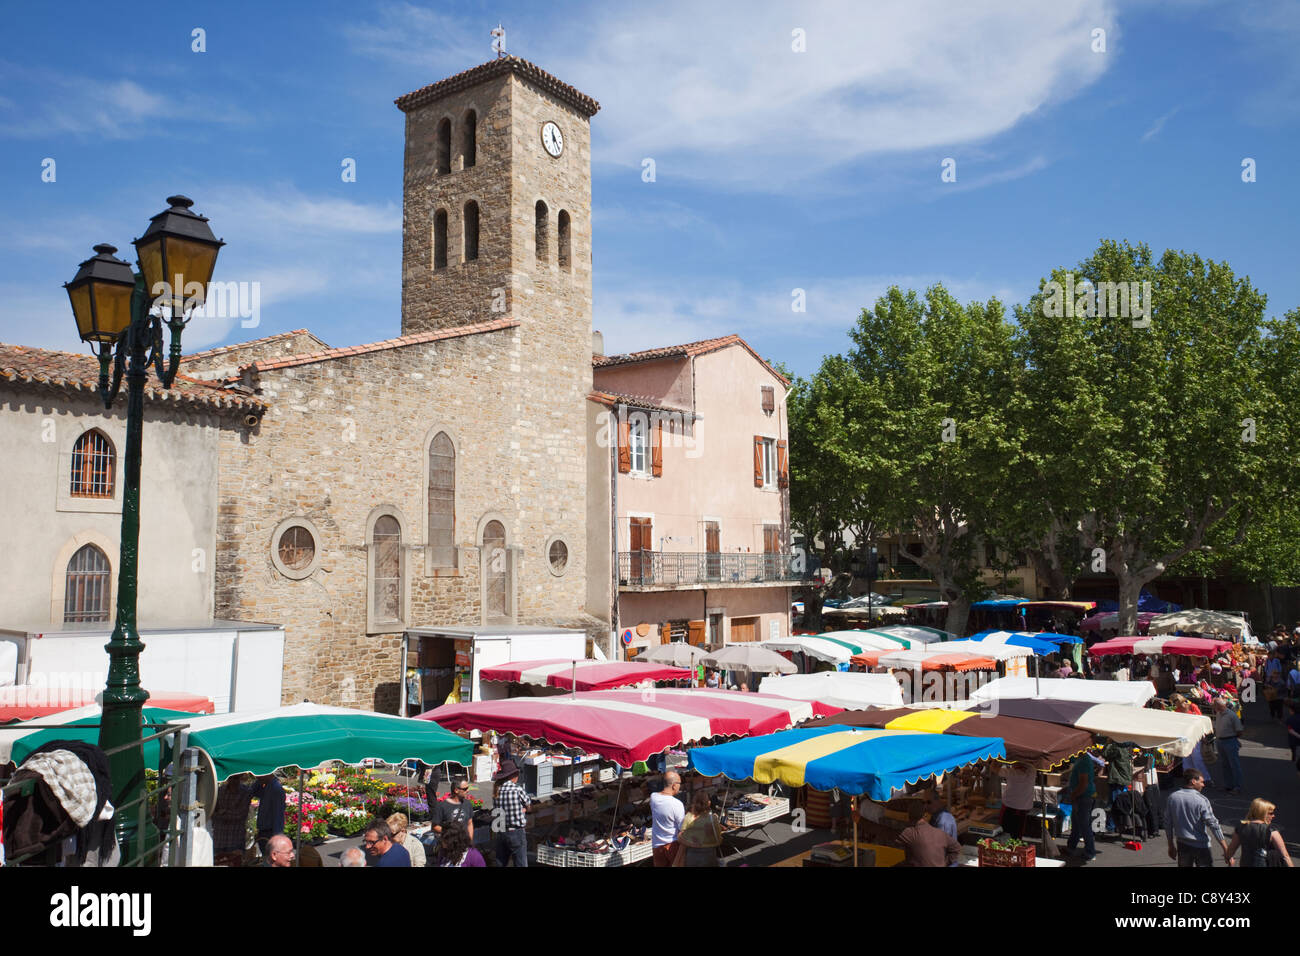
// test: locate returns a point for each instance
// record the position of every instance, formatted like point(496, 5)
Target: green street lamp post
point(119, 313)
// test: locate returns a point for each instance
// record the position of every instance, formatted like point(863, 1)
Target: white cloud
point(279, 211)
point(69, 103)
point(409, 35)
point(716, 93)
point(1158, 125)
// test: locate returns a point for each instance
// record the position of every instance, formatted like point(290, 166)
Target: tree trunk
point(958, 614)
point(1130, 588)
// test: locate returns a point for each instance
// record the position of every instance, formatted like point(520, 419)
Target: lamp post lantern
point(115, 312)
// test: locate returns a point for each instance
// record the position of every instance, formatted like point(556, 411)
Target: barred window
point(442, 501)
point(566, 241)
point(297, 548)
point(92, 466)
point(386, 539)
point(85, 597)
point(558, 556)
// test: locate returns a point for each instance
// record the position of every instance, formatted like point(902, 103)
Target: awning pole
point(297, 853)
point(853, 808)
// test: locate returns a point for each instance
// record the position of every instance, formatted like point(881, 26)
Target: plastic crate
point(553, 855)
point(1021, 856)
point(779, 807)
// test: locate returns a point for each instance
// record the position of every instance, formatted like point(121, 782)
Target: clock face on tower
point(552, 139)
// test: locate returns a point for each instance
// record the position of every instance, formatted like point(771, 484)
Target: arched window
point(92, 466)
point(543, 253)
point(496, 572)
point(566, 260)
point(471, 231)
point(442, 502)
point(386, 545)
point(85, 597)
point(443, 148)
point(471, 139)
point(440, 239)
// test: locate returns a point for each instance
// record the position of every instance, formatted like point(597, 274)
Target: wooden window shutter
point(769, 398)
point(624, 448)
point(783, 464)
point(758, 461)
point(696, 632)
point(657, 450)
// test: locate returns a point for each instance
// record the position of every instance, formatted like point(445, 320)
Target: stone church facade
point(438, 477)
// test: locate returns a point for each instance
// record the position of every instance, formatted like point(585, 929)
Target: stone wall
point(349, 435)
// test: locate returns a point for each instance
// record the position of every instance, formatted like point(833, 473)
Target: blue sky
point(775, 169)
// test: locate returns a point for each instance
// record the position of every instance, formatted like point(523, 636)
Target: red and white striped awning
point(591, 675)
point(627, 726)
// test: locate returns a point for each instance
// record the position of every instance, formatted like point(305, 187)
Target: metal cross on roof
point(499, 41)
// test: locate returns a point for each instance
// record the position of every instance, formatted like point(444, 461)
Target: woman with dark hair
point(701, 833)
point(456, 849)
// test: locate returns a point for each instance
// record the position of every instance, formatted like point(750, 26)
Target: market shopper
point(456, 848)
point(941, 817)
point(279, 851)
point(510, 816)
point(701, 834)
point(270, 809)
point(1017, 797)
point(1196, 759)
point(1256, 837)
point(1082, 787)
point(230, 817)
point(1227, 734)
point(1188, 814)
point(927, 845)
point(399, 823)
point(455, 808)
point(667, 815)
point(380, 848)
point(1293, 730)
point(352, 856)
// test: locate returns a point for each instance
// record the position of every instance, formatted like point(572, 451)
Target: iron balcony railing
point(689, 568)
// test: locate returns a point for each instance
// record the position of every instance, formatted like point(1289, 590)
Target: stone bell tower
point(497, 226)
point(497, 201)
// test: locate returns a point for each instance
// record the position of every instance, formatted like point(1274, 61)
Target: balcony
point(666, 570)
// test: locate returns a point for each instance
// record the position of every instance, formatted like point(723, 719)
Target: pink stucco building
point(691, 443)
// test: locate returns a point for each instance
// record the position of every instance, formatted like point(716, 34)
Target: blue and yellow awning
point(872, 762)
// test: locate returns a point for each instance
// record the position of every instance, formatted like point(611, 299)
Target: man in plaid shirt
point(509, 816)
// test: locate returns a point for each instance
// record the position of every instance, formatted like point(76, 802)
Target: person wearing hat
point(510, 816)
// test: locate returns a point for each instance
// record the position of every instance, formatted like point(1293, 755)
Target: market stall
point(1109, 621)
point(1134, 693)
point(583, 675)
point(1154, 646)
point(628, 727)
point(1196, 621)
point(33, 701)
point(604, 825)
point(850, 691)
point(1142, 727)
point(309, 735)
point(876, 764)
point(18, 740)
point(914, 633)
point(1037, 743)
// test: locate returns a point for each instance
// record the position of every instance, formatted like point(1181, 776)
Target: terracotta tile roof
point(326, 355)
point(613, 399)
point(493, 68)
point(240, 345)
point(80, 372)
point(690, 349)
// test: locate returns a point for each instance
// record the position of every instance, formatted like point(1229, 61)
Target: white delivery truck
point(440, 661)
point(239, 664)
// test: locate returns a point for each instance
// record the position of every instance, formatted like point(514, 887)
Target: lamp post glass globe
point(101, 296)
point(178, 253)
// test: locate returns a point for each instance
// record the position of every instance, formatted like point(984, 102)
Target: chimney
point(597, 343)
